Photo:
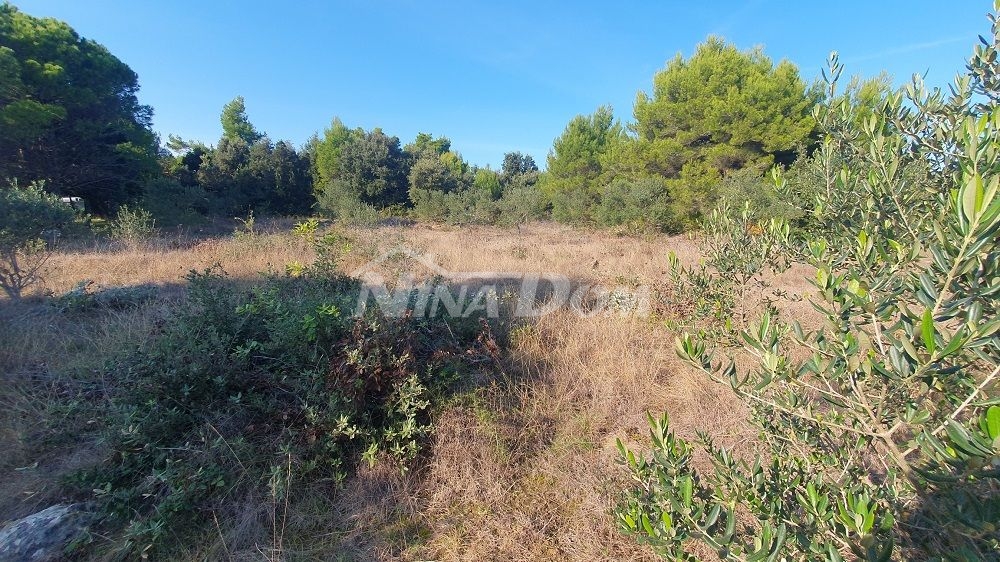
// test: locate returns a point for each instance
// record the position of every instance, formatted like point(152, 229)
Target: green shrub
point(715, 296)
point(430, 204)
point(515, 206)
point(574, 205)
point(306, 229)
point(641, 205)
point(752, 187)
point(519, 205)
point(473, 206)
point(132, 227)
point(879, 430)
point(338, 203)
point(280, 379)
point(172, 204)
point(30, 220)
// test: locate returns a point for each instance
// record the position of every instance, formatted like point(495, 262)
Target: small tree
point(27, 214)
point(880, 431)
point(133, 226)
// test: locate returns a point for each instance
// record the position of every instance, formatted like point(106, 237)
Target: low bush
point(347, 209)
point(519, 205)
point(513, 206)
point(574, 205)
point(250, 387)
point(132, 226)
point(755, 189)
point(84, 297)
point(715, 297)
point(641, 205)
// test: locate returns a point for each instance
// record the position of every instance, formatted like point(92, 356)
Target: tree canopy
point(246, 171)
point(69, 113)
point(576, 164)
point(69, 116)
point(236, 124)
point(723, 109)
point(576, 154)
point(518, 170)
point(373, 168)
point(327, 153)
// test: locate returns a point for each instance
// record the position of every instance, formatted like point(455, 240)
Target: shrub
point(519, 205)
point(472, 206)
point(246, 388)
point(430, 204)
point(752, 187)
point(132, 227)
point(573, 205)
point(306, 229)
point(879, 431)
point(171, 203)
point(515, 206)
point(338, 203)
point(714, 296)
point(641, 205)
point(28, 215)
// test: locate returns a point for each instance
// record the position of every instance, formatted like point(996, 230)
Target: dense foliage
point(716, 113)
point(879, 427)
point(576, 168)
point(245, 391)
point(271, 178)
point(69, 113)
point(720, 110)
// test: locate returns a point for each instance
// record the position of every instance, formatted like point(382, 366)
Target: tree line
point(71, 117)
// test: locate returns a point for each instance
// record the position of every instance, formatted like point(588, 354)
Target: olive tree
point(880, 429)
point(27, 215)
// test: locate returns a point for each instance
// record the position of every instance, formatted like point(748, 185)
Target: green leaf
point(966, 442)
point(992, 418)
point(713, 515)
point(909, 349)
point(646, 525)
point(927, 331)
point(972, 196)
point(687, 490)
point(778, 542)
point(956, 342)
point(730, 527)
point(668, 522)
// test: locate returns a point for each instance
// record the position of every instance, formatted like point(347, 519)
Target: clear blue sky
point(491, 76)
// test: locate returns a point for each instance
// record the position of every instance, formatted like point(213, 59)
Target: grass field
point(520, 468)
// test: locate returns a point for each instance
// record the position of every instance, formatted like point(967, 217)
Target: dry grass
point(520, 469)
point(166, 261)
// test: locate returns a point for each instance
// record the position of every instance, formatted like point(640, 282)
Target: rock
point(43, 536)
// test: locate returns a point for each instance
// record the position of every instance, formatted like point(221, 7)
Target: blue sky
point(491, 76)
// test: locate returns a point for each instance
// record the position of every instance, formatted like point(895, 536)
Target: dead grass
point(166, 262)
point(49, 358)
point(520, 469)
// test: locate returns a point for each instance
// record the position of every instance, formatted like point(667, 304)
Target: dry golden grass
point(522, 468)
point(166, 261)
